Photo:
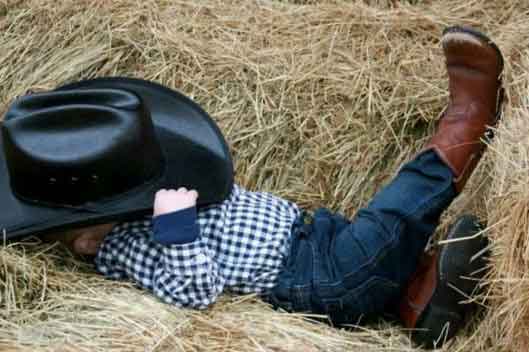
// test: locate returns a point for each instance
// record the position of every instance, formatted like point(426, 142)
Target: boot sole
point(482, 38)
point(444, 305)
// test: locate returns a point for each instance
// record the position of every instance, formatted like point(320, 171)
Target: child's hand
point(169, 200)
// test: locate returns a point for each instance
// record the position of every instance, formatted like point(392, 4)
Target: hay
point(321, 101)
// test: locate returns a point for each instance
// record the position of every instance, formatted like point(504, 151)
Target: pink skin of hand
point(165, 201)
point(169, 201)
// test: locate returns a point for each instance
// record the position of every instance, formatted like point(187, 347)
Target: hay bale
point(320, 101)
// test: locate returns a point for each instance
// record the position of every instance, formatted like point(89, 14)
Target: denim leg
point(406, 212)
point(392, 231)
point(349, 269)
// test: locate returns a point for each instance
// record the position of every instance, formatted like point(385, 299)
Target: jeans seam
point(390, 244)
point(365, 285)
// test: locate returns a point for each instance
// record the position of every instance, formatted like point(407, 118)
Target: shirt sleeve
point(178, 227)
point(110, 257)
point(183, 274)
point(188, 276)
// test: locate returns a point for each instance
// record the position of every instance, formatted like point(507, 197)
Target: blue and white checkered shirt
point(242, 246)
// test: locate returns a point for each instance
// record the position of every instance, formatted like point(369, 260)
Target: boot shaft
point(474, 66)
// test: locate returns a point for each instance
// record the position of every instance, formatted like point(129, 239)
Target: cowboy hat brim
point(195, 151)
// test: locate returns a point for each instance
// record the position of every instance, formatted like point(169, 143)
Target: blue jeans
point(349, 269)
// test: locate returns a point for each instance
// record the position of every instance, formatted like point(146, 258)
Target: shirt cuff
point(178, 227)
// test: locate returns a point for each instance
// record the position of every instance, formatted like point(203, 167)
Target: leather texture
point(419, 290)
point(474, 70)
point(474, 65)
point(97, 151)
point(447, 277)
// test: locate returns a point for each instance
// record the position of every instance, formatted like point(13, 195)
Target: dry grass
point(320, 100)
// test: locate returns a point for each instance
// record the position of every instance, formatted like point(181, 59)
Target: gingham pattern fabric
point(242, 246)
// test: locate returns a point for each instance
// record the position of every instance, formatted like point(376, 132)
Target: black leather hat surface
point(98, 150)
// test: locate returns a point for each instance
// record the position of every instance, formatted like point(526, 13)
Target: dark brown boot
point(434, 303)
point(474, 65)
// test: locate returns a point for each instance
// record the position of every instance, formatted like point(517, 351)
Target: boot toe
point(470, 48)
point(460, 266)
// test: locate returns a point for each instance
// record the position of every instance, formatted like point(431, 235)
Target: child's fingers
point(87, 244)
point(161, 191)
point(193, 193)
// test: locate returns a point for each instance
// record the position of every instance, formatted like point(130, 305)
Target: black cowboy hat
point(96, 151)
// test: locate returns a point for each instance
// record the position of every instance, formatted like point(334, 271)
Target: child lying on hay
point(64, 151)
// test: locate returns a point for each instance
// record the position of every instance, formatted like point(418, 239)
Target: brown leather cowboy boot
point(446, 277)
point(474, 65)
